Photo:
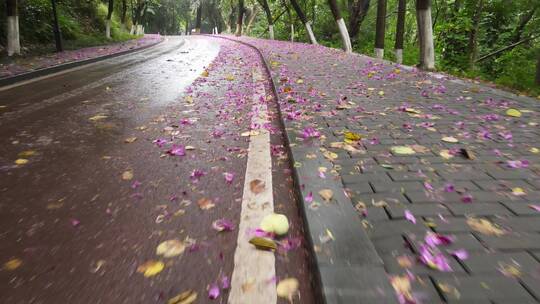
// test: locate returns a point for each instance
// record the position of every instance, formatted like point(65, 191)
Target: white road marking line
point(253, 278)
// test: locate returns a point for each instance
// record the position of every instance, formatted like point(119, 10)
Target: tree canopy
point(496, 40)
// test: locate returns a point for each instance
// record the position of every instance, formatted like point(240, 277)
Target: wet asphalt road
point(81, 226)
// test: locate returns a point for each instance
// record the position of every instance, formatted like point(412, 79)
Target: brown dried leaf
point(127, 175)
point(326, 194)
point(257, 186)
point(130, 140)
point(205, 203)
point(170, 248)
point(484, 226)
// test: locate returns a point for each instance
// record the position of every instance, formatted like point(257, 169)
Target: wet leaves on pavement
point(186, 297)
point(151, 268)
point(170, 248)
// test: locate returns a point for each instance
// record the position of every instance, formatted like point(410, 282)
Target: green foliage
point(453, 22)
point(82, 24)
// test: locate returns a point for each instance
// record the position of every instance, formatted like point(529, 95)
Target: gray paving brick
point(461, 241)
point(374, 214)
point(398, 211)
point(399, 264)
point(535, 183)
point(401, 187)
point(388, 198)
point(478, 209)
point(410, 176)
point(520, 224)
point(498, 263)
point(356, 285)
point(397, 160)
point(513, 242)
point(364, 178)
point(464, 175)
point(359, 188)
point(394, 227)
point(511, 174)
point(391, 244)
point(521, 208)
point(423, 197)
point(483, 288)
point(504, 185)
point(450, 225)
point(532, 283)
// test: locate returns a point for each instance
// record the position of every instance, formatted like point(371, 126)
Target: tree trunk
point(304, 21)
point(400, 30)
point(346, 40)
point(473, 35)
point(198, 19)
point(240, 19)
point(380, 29)
point(12, 28)
point(268, 13)
point(124, 12)
point(232, 18)
point(358, 10)
point(108, 21)
point(425, 34)
point(252, 16)
point(56, 28)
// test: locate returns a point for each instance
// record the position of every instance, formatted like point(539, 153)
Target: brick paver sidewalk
point(444, 174)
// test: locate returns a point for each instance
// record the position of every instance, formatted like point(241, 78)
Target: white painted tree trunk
point(292, 32)
point(132, 30)
point(379, 53)
point(108, 28)
point(399, 56)
point(139, 30)
point(216, 30)
point(310, 33)
point(427, 50)
point(347, 46)
point(271, 32)
point(13, 41)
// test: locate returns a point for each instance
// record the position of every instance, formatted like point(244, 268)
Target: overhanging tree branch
point(506, 48)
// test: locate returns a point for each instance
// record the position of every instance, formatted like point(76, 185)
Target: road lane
point(81, 227)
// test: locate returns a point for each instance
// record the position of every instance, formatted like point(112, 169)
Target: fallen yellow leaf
point(127, 175)
point(513, 113)
point(403, 150)
point(151, 268)
point(21, 161)
point(275, 223)
point(170, 248)
point(130, 140)
point(287, 288)
point(484, 226)
point(27, 153)
point(186, 297)
point(97, 117)
point(450, 139)
point(12, 264)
